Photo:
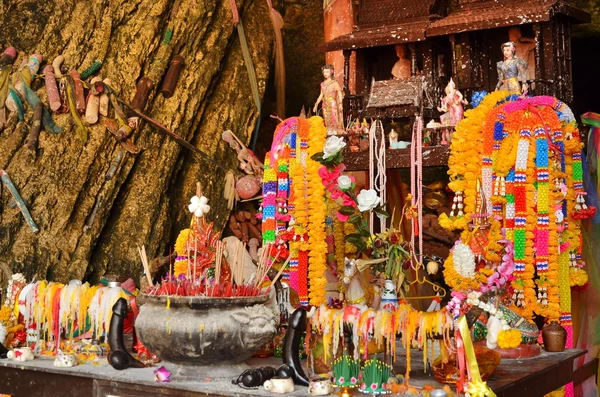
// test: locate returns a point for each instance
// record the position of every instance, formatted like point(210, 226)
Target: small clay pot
point(554, 337)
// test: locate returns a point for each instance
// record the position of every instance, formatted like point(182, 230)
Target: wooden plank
point(433, 156)
point(534, 377)
point(587, 370)
point(24, 383)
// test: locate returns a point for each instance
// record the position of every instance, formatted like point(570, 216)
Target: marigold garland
point(529, 157)
point(467, 144)
point(509, 339)
point(316, 219)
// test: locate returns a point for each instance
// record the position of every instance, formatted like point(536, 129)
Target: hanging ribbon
point(249, 67)
point(277, 22)
point(20, 110)
point(476, 387)
point(82, 132)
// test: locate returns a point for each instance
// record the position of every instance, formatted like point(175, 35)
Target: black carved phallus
point(291, 345)
point(252, 378)
point(3, 351)
point(119, 358)
point(285, 371)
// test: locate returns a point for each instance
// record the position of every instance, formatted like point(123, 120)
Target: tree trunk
point(145, 202)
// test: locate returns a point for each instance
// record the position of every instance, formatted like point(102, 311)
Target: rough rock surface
point(145, 203)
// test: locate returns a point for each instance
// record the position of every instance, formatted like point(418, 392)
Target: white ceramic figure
point(389, 297)
point(65, 360)
point(279, 385)
point(494, 326)
point(20, 354)
point(320, 387)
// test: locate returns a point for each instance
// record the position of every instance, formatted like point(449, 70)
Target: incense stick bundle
point(263, 265)
point(218, 261)
point(144, 258)
point(279, 273)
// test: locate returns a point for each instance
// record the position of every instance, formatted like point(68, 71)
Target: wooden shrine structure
point(459, 39)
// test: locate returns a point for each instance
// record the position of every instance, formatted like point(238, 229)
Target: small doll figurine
point(332, 97)
point(393, 139)
point(355, 143)
point(426, 137)
point(452, 106)
point(512, 71)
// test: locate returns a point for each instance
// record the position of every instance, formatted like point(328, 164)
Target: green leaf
point(347, 210)
point(318, 157)
point(381, 212)
point(353, 238)
point(355, 218)
point(361, 247)
point(364, 232)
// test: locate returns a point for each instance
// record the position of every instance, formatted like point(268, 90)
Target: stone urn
point(201, 336)
point(554, 337)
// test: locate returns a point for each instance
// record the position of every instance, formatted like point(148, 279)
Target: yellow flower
point(180, 267)
point(181, 242)
point(5, 315)
point(509, 339)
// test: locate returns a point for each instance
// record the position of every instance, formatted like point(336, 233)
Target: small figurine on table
point(452, 106)
point(512, 71)
point(354, 143)
point(332, 97)
point(393, 139)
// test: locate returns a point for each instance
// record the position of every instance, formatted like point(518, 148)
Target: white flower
point(333, 145)
point(199, 206)
point(367, 200)
point(464, 260)
point(344, 182)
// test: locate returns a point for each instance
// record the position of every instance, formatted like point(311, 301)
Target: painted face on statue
point(508, 52)
point(327, 73)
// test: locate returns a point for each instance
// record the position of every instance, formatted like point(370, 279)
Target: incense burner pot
point(202, 331)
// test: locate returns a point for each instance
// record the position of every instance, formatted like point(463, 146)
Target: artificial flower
point(345, 182)
point(181, 242)
point(509, 339)
point(162, 374)
point(464, 260)
point(367, 200)
point(199, 206)
point(332, 146)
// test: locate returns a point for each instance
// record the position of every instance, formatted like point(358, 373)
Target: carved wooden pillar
point(454, 60)
point(346, 87)
point(413, 59)
point(537, 54)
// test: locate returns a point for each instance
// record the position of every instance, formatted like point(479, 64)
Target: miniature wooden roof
point(480, 15)
point(401, 92)
point(405, 33)
point(387, 22)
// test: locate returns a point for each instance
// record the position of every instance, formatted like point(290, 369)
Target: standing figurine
point(452, 106)
point(525, 49)
point(332, 97)
point(512, 71)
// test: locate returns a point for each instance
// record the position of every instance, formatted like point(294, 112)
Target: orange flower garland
point(317, 257)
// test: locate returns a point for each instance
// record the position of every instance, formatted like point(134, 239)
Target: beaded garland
point(289, 190)
point(529, 152)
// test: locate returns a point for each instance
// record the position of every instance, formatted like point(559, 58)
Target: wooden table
point(514, 378)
